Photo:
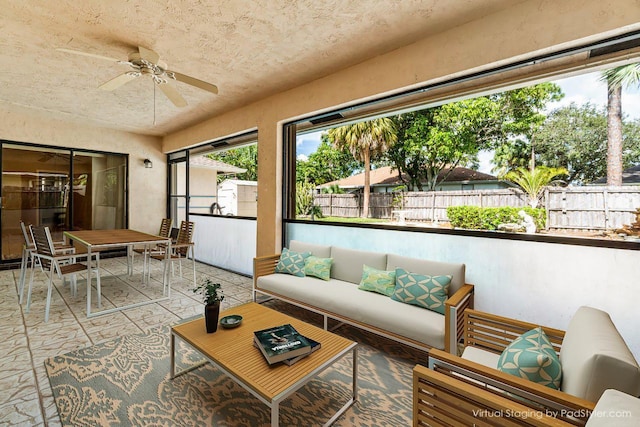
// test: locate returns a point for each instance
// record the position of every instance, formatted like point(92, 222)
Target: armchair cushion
point(318, 267)
point(595, 357)
point(292, 262)
point(424, 291)
point(531, 356)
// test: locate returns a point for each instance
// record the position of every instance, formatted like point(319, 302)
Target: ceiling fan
point(146, 62)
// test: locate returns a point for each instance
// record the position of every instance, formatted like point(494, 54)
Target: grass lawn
point(353, 220)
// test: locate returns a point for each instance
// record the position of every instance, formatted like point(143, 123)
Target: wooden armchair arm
point(439, 399)
point(264, 265)
point(561, 405)
point(455, 306)
point(494, 333)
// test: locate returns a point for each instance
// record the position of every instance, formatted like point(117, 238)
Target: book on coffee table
point(315, 345)
point(280, 343)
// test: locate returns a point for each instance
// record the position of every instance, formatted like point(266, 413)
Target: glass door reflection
point(35, 189)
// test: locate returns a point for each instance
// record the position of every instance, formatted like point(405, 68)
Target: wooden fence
point(569, 208)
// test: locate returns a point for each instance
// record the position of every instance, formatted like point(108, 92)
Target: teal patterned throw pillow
point(292, 262)
point(424, 291)
point(318, 267)
point(531, 356)
point(380, 281)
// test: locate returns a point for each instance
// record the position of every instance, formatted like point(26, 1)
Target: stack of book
point(283, 344)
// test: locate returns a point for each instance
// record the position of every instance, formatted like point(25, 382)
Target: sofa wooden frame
point(455, 306)
point(451, 375)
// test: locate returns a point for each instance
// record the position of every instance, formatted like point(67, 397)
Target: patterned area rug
point(126, 382)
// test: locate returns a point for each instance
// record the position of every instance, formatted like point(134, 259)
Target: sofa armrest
point(494, 333)
point(561, 405)
point(455, 306)
point(264, 265)
point(439, 399)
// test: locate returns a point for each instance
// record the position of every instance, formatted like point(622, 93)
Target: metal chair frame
point(183, 247)
point(61, 265)
point(28, 248)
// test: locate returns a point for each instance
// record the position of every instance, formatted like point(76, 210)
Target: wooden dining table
point(99, 240)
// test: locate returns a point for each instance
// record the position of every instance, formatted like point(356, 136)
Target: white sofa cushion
point(345, 299)
point(594, 357)
point(321, 251)
point(349, 263)
point(430, 268)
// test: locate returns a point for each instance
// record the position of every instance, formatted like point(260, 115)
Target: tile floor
point(26, 340)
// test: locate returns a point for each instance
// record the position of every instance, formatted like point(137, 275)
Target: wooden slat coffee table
point(232, 351)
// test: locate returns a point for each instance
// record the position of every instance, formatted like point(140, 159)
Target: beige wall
point(527, 29)
point(147, 187)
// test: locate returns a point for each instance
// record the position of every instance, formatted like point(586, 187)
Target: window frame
point(520, 73)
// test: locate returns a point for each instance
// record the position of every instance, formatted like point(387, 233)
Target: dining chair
point(165, 230)
point(28, 248)
point(60, 264)
point(183, 247)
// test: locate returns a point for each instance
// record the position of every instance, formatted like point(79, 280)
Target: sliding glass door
point(178, 187)
point(59, 188)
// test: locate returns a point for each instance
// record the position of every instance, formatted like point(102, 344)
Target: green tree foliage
point(442, 138)
point(617, 78)
point(575, 137)
point(244, 157)
point(333, 189)
point(304, 201)
point(365, 141)
point(533, 181)
point(326, 164)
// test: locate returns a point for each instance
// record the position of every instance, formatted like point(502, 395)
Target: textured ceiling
point(249, 48)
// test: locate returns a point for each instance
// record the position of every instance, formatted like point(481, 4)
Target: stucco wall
point(147, 187)
point(526, 29)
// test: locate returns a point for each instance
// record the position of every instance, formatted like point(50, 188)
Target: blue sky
point(580, 89)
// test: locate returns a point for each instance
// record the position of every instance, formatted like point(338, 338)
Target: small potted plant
point(212, 296)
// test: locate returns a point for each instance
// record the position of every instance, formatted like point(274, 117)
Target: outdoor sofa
point(592, 355)
point(340, 297)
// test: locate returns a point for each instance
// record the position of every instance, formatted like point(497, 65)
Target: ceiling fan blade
point(173, 95)
point(118, 81)
point(194, 82)
point(90, 55)
point(148, 55)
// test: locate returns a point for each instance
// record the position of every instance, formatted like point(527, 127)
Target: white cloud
point(302, 157)
point(589, 88)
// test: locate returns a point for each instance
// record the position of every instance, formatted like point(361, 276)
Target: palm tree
point(365, 141)
point(617, 78)
point(533, 181)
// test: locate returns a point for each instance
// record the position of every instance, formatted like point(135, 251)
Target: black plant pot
point(211, 315)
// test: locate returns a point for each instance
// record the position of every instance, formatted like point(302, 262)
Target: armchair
point(593, 355)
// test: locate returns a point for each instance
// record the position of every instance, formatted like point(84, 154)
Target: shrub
point(477, 218)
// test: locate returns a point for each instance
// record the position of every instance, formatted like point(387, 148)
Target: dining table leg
point(88, 280)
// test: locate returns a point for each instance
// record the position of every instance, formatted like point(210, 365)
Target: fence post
point(546, 208)
point(433, 205)
point(606, 208)
point(331, 204)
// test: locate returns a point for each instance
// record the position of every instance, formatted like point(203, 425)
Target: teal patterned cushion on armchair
point(531, 356)
point(424, 291)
